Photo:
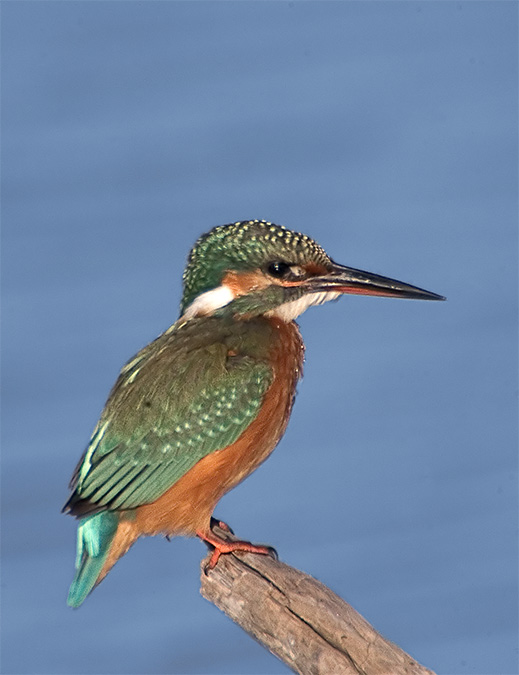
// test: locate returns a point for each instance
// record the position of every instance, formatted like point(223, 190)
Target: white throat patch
point(289, 311)
point(208, 302)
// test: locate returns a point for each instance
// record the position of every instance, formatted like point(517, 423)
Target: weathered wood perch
point(300, 620)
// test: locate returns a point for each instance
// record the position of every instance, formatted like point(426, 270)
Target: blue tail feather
point(94, 538)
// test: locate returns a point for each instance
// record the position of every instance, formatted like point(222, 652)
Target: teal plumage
point(197, 410)
point(243, 246)
point(94, 537)
point(192, 391)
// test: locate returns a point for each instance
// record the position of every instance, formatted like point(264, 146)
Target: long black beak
point(349, 280)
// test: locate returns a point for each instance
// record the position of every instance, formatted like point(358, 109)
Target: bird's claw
point(221, 546)
point(222, 525)
point(272, 552)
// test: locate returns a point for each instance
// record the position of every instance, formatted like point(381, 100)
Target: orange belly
point(187, 507)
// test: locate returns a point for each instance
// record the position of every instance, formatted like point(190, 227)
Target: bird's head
point(255, 267)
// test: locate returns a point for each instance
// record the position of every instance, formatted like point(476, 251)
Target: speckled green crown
point(244, 246)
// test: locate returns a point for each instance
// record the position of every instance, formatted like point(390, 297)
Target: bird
point(197, 410)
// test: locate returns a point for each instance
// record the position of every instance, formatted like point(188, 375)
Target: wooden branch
point(299, 619)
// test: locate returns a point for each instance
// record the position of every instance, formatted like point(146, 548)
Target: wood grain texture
point(300, 620)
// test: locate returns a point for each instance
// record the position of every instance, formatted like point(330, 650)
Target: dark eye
point(279, 269)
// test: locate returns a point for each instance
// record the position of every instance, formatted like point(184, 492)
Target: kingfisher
point(202, 406)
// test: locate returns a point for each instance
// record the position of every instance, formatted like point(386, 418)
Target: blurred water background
point(387, 131)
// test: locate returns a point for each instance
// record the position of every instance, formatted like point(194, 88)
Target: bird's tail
point(94, 538)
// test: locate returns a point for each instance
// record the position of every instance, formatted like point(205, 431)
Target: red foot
point(222, 546)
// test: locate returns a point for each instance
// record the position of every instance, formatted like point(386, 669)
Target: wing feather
point(180, 399)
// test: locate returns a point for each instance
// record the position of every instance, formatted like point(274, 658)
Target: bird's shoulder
point(192, 391)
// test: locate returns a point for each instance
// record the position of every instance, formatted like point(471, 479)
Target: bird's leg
point(221, 524)
point(222, 546)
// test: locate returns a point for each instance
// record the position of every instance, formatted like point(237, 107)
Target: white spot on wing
point(131, 364)
point(98, 434)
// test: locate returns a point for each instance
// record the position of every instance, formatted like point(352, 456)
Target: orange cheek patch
point(242, 283)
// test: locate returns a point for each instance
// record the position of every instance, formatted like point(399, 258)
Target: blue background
point(387, 131)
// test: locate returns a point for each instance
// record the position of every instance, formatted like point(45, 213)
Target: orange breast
point(187, 506)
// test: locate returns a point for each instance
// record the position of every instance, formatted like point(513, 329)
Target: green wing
point(181, 398)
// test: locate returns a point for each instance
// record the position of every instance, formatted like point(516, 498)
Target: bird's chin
point(289, 311)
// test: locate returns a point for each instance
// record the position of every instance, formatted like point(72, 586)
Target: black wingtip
point(79, 507)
